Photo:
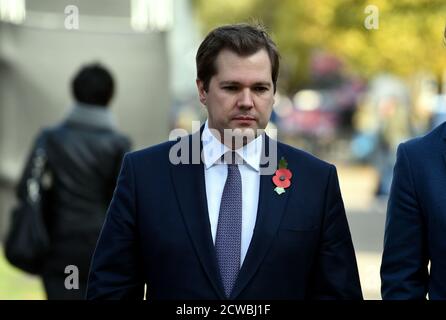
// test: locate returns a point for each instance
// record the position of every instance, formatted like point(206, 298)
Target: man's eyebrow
point(225, 83)
point(266, 84)
point(261, 83)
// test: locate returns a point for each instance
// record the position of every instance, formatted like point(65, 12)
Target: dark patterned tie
point(229, 229)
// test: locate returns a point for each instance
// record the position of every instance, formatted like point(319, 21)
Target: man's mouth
point(244, 118)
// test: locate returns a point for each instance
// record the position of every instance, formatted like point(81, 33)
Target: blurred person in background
point(394, 128)
point(382, 122)
point(84, 154)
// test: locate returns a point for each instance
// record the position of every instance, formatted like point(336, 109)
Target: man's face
point(241, 93)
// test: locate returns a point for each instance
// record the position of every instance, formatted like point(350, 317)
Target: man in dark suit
point(219, 224)
point(416, 221)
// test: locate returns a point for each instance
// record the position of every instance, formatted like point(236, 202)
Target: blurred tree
point(409, 38)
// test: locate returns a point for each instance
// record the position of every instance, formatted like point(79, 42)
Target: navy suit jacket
point(416, 221)
point(157, 232)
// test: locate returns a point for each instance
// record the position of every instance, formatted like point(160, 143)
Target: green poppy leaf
point(283, 164)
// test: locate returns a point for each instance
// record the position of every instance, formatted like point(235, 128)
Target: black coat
point(83, 162)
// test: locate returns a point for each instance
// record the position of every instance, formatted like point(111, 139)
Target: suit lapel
point(269, 214)
point(189, 183)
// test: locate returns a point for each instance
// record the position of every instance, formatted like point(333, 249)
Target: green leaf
point(283, 164)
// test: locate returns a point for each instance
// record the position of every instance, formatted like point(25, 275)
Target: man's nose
point(245, 99)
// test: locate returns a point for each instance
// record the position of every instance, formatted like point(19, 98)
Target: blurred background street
point(366, 216)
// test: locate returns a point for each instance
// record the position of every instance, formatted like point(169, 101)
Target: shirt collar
point(213, 150)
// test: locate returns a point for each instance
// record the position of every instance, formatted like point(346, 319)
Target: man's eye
point(261, 89)
point(230, 88)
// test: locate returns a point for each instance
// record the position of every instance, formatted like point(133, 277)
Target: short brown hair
point(243, 39)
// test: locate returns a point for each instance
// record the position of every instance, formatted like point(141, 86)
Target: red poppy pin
point(282, 177)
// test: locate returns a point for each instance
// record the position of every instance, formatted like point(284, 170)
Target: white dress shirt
point(216, 172)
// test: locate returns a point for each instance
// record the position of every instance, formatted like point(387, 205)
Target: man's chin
point(244, 130)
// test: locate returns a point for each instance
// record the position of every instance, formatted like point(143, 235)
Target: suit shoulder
point(150, 155)
point(152, 151)
point(427, 143)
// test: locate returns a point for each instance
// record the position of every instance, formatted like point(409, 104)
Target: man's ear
point(202, 94)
